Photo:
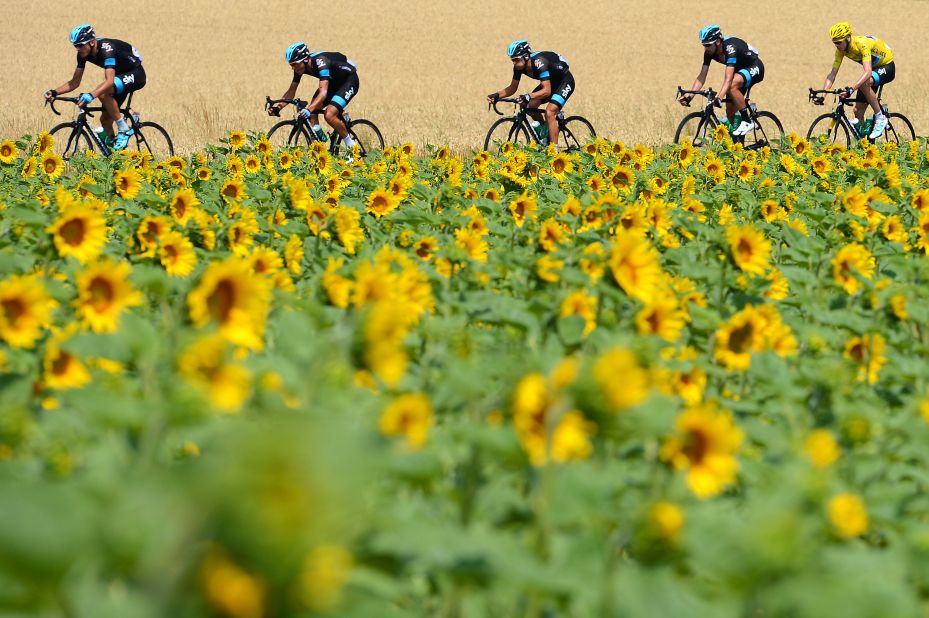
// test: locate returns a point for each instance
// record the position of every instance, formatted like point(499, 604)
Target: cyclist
point(123, 73)
point(877, 62)
point(744, 69)
point(556, 84)
point(338, 83)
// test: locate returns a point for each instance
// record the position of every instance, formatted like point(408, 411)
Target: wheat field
point(425, 66)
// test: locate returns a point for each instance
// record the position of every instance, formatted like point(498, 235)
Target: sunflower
point(127, 183)
point(547, 269)
point(293, 254)
point(851, 262)
point(265, 261)
point(820, 166)
point(492, 194)
point(79, 231)
point(103, 293)
point(662, 317)
point(348, 228)
point(381, 202)
point(738, 338)
point(233, 190)
point(868, 352)
point(233, 299)
point(236, 139)
point(523, 207)
point(285, 160)
point(25, 310)
point(149, 232)
point(704, 446)
point(561, 166)
point(206, 365)
point(636, 266)
point(183, 204)
point(473, 243)
point(894, 231)
point(29, 168)
point(686, 153)
point(622, 178)
point(749, 248)
point(45, 143)
point(203, 174)
point(848, 515)
point(408, 416)
point(8, 152)
point(632, 389)
point(425, 247)
point(551, 234)
point(920, 200)
point(176, 254)
point(63, 370)
point(584, 305)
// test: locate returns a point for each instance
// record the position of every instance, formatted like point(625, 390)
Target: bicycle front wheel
point(152, 137)
point(828, 129)
point(768, 131)
point(899, 129)
point(289, 133)
point(575, 132)
point(70, 139)
point(366, 134)
point(696, 127)
point(506, 130)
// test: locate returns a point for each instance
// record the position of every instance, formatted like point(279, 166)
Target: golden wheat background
point(425, 65)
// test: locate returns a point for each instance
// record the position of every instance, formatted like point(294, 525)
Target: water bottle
point(101, 134)
point(320, 134)
point(868, 125)
point(542, 132)
point(136, 117)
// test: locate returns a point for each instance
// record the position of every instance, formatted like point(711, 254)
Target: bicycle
point(364, 132)
point(768, 129)
point(573, 131)
point(836, 126)
point(77, 136)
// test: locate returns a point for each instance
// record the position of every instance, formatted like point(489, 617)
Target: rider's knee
point(551, 111)
point(331, 113)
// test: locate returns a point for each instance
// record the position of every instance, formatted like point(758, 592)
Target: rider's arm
point(830, 79)
point(866, 72)
point(107, 85)
point(727, 81)
point(544, 92)
point(701, 77)
point(511, 89)
point(321, 94)
point(288, 94)
point(72, 83)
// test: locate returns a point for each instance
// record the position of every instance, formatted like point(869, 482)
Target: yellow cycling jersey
point(863, 47)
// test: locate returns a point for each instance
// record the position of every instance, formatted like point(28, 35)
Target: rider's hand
point(524, 100)
point(819, 100)
point(274, 110)
point(305, 113)
point(717, 102)
point(85, 99)
point(493, 97)
point(685, 100)
point(50, 94)
point(846, 92)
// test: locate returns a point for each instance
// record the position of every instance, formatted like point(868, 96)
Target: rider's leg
point(333, 116)
point(738, 104)
point(551, 117)
point(110, 113)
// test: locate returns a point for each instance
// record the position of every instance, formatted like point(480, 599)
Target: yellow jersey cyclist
point(556, 84)
point(123, 73)
point(744, 69)
point(877, 63)
point(338, 84)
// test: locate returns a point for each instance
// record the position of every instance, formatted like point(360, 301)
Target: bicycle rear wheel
point(288, 134)
point(152, 137)
point(768, 131)
point(70, 139)
point(899, 129)
point(697, 127)
point(827, 129)
point(575, 132)
point(506, 130)
point(366, 134)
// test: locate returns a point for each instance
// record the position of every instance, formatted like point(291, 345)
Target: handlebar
point(76, 101)
point(814, 98)
point(709, 93)
point(300, 103)
point(493, 105)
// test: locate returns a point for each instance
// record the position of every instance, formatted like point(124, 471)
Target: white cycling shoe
point(743, 128)
point(880, 124)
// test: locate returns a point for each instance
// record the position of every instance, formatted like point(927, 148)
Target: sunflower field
point(252, 383)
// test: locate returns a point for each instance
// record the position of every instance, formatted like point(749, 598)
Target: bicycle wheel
point(899, 129)
point(289, 133)
point(366, 134)
point(70, 139)
point(768, 131)
point(151, 137)
point(695, 126)
point(575, 132)
point(827, 129)
point(506, 130)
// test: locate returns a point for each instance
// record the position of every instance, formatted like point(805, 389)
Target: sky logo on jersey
point(538, 63)
point(754, 71)
point(349, 94)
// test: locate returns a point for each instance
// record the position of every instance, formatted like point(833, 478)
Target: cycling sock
point(349, 141)
point(122, 125)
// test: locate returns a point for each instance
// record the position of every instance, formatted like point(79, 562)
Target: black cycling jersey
point(328, 65)
point(544, 65)
point(113, 54)
point(736, 52)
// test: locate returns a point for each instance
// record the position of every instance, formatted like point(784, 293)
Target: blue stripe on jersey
point(748, 77)
point(731, 61)
point(314, 54)
point(109, 62)
point(544, 75)
point(118, 83)
point(557, 98)
point(876, 78)
point(324, 73)
point(339, 101)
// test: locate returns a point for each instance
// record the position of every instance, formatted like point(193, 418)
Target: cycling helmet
point(710, 34)
point(82, 34)
point(840, 31)
point(297, 52)
point(517, 48)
